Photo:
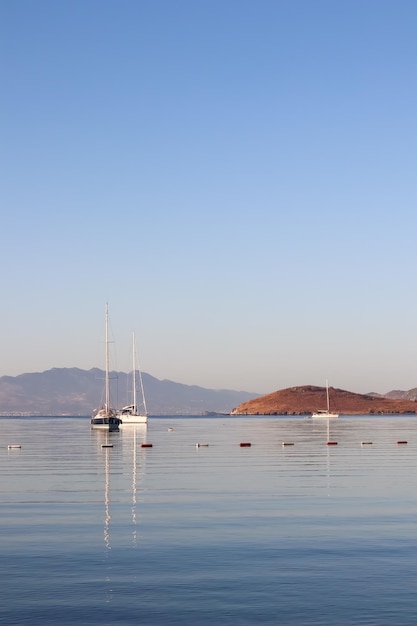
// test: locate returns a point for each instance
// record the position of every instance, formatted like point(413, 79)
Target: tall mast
point(107, 404)
point(143, 393)
point(141, 382)
point(134, 375)
point(327, 393)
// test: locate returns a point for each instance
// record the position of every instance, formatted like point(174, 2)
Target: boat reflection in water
point(107, 516)
point(132, 438)
point(104, 450)
point(128, 462)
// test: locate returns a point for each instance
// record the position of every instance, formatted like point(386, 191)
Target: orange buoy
point(245, 445)
point(146, 445)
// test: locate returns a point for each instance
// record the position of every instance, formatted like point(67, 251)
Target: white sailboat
point(105, 417)
point(325, 413)
point(131, 414)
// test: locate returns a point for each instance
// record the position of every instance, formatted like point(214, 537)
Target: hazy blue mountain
point(74, 391)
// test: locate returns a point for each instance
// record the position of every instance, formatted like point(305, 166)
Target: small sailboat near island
point(105, 418)
point(131, 414)
point(325, 413)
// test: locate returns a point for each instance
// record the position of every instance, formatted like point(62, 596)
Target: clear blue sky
point(236, 178)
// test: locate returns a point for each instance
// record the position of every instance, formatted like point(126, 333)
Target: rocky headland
point(307, 399)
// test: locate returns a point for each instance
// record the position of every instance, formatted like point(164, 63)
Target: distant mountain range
point(73, 391)
point(396, 394)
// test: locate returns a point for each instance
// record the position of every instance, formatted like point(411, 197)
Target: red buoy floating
point(245, 445)
point(332, 443)
point(402, 442)
point(146, 445)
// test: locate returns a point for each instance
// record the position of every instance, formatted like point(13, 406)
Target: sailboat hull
point(133, 419)
point(109, 426)
point(324, 415)
point(103, 421)
point(129, 415)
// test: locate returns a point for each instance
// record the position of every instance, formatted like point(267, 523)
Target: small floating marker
point(287, 443)
point(201, 445)
point(402, 442)
point(106, 445)
point(366, 443)
point(245, 445)
point(332, 443)
point(14, 446)
point(146, 445)
point(170, 430)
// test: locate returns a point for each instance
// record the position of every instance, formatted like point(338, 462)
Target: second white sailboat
point(131, 414)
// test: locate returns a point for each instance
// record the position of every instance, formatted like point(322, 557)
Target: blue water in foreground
point(184, 535)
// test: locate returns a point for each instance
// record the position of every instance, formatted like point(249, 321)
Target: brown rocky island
point(307, 399)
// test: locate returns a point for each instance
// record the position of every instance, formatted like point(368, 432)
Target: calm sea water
point(178, 534)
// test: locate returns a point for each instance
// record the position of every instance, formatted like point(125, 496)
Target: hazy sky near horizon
point(236, 178)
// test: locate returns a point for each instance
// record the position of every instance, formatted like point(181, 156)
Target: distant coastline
point(76, 392)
